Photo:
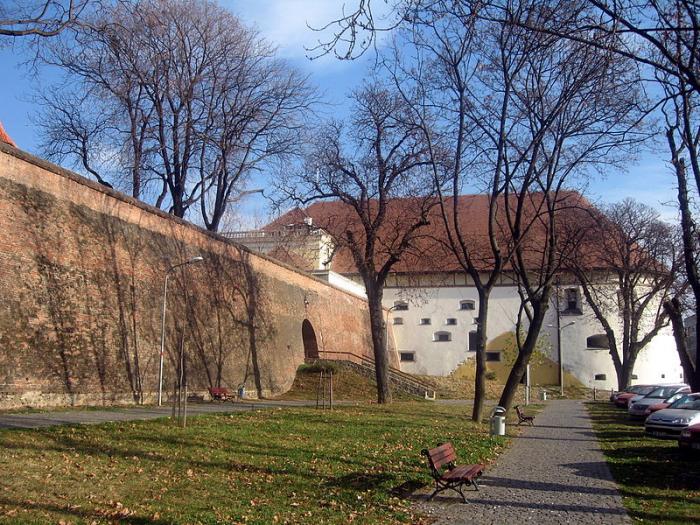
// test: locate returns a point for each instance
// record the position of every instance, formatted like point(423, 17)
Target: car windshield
point(675, 397)
point(641, 389)
point(687, 403)
point(663, 392)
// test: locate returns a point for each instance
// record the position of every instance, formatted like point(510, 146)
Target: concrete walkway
point(94, 416)
point(554, 473)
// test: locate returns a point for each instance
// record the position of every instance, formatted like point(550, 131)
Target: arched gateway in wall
point(309, 336)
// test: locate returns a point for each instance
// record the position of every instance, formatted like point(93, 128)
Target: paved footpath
point(554, 473)
point(94, 416)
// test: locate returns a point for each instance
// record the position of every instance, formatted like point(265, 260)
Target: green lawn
point(659, 483)
point(268, 466)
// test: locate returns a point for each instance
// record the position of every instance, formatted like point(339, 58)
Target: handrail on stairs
point(403, 375)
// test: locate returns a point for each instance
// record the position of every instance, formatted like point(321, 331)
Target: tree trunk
point(624, 374)
point(381, 355)
point(521, 362)
point(690, 368)
point(480, 375)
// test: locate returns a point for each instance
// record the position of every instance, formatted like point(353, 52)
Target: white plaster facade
point(339, 281)
point(658, 362)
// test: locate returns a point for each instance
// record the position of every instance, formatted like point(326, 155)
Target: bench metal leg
point(457, 487)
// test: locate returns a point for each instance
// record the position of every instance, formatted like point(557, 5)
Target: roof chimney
point(4, 137)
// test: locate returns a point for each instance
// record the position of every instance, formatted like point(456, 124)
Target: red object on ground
point(4, 137)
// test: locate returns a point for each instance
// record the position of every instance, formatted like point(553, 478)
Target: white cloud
point(286, 22)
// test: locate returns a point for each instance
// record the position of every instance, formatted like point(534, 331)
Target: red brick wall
point(81, 278)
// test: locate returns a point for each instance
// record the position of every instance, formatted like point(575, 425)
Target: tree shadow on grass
point(117, 516)
point(407, 488)
point(360, 480)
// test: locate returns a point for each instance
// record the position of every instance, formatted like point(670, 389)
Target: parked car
point(690, 438)
point(669, 422)
point(664, 404)
point(638, 405)
point(623, 398)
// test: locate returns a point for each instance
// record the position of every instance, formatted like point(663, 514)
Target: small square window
point(425, 320)
point(451, 321)
point(600, 377)
point(407, 357)
point(398, 320)
point(634, 376)
point(493, 356)
point(400, 305)
point(442, 337)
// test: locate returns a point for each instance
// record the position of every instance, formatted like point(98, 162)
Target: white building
point(431, 314)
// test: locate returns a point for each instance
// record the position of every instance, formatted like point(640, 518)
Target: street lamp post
point(386, 328)
point(162, 326)
point(559, 351)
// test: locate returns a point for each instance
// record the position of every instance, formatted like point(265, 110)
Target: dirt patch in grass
point(263, 467)
point(659, 483)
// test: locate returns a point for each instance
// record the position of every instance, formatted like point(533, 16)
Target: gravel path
point(555, 472)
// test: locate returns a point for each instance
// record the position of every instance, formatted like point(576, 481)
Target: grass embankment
point(269, 466)
point(658, 482)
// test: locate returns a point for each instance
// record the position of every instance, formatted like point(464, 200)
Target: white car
point(669, 422)
point(638, 405)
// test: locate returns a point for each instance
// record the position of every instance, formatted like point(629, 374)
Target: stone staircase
point(363, 365)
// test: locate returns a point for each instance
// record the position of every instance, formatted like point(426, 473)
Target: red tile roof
point(430, 253)
point(4, 137)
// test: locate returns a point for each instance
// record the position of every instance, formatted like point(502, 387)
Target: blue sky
point(284, 22)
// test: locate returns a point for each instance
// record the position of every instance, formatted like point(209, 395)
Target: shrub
point(490, 375)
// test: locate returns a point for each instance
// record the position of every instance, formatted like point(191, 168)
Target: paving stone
point(554, 473)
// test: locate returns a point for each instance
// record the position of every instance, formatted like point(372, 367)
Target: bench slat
point(442, 455)
point(465, 472)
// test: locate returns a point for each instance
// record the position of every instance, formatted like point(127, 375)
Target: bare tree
point(39, 18)
point(189, 101)
point(521, 114)
point(464, 115)
point(374, 171)
point(627, 270)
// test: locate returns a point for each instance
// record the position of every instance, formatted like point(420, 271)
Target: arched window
point(400, 305)
point(442, 337)
point(466, 305)
point(598, 342)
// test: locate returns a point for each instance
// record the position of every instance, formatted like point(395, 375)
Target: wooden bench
point(219, 393)
point(447, 474)
point(522, 418)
